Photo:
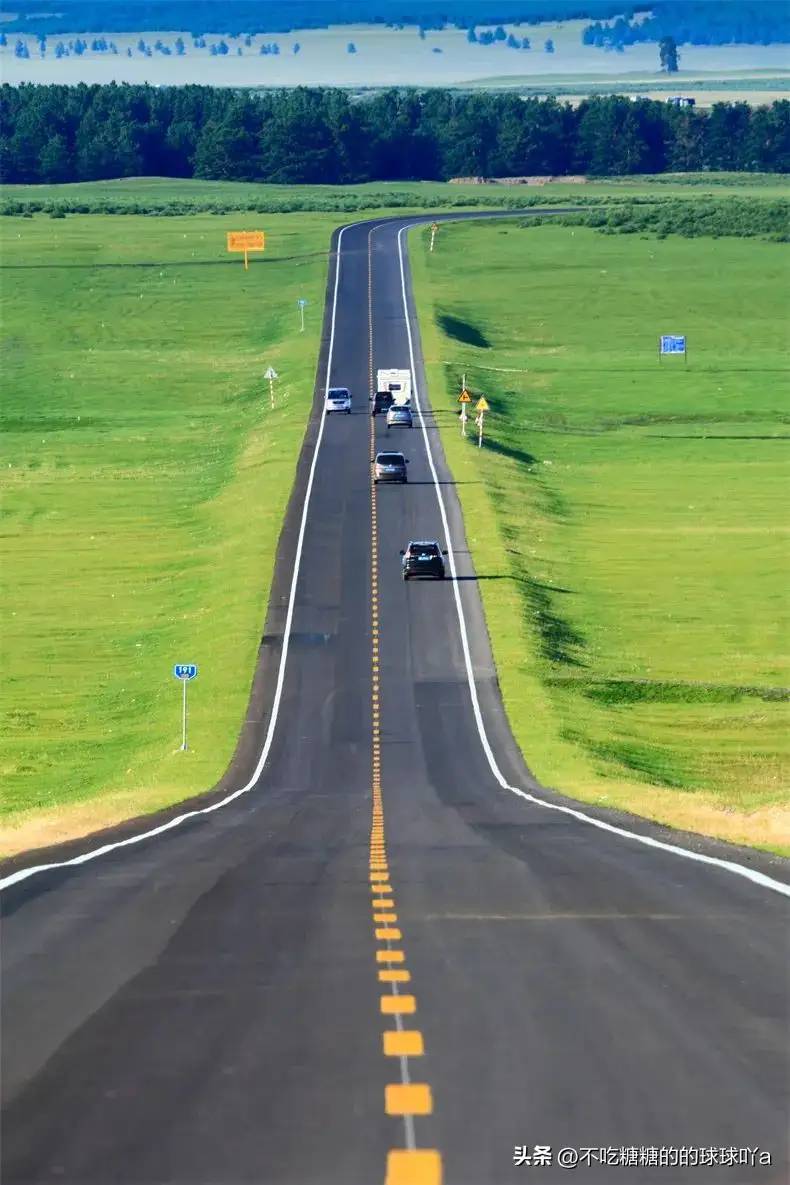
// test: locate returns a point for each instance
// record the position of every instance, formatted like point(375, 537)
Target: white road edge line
point(23, 873)
point(758, 878)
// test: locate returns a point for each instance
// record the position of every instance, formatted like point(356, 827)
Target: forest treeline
point(699, 22)
point(86, 133)
point(283, 16)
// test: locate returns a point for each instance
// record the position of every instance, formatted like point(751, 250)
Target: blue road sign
point(185, 670)
point(670, 344)
point(301, 302)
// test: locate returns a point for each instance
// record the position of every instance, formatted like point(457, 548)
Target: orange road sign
point(246, 240)
point(464, 397)
point(482, 404)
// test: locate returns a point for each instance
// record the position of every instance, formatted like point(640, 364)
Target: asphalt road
point(205, 1006)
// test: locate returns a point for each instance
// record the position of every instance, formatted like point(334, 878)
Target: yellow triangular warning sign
point(464, 397)
point(482, 404)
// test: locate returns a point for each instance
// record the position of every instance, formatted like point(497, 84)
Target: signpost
point(271, 375)
point(246, 240)
point(186, 672)
point(301, 302)
point(481, 407)
point(463, 399)
point(670, 343)
point(434, 228)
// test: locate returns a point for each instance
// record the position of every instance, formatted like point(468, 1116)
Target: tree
point(471, 35)
point(500, 34)
point(297, 47)
point(668, 54)
point(54, 163)
point(526, 43)
point(549, 46)
point(351, 48)
point(180, 47)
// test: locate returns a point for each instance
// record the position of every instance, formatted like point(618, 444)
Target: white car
point(338, 399)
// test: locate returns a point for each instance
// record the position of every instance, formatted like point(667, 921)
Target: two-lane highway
point(381, 958)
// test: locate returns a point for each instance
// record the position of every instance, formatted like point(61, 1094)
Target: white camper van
point(398, 383)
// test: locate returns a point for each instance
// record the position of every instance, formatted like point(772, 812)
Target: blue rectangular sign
point(185, 670)
point(671, 344)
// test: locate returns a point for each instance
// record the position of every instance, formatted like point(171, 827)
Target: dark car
point(390, 467)
point(423, 559)
point(381, 401)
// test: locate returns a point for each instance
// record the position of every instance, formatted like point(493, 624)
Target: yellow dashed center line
point(406, 1099)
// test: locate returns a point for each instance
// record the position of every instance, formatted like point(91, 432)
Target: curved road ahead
point(382, 961)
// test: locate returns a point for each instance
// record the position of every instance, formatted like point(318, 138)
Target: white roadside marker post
point(434, 228)
point(481, 407)
point(271, 375)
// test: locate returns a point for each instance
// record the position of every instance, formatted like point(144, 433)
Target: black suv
point(423, 559)
point(381, 401)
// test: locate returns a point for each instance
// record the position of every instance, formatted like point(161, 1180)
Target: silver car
point(399, 416)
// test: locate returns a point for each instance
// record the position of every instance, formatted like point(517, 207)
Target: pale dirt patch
point(767, 827)
point(53, 825)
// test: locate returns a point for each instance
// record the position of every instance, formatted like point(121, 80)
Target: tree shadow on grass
point(508, 450)
point(463, 331)
point(560, 642)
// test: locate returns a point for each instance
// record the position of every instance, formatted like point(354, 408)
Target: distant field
point(637, 511)
point(389, 57)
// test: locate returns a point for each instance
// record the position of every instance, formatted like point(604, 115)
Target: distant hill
point(281, 16)
point(615, 24)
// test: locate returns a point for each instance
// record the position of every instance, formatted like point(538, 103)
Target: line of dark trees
point(282, 16)
point(698, 22)
point(85, 133)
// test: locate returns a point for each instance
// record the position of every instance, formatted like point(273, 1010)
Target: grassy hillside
point(637, 510)
point(171, 196)
point(146, 480)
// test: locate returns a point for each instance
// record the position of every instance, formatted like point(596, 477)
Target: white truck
point(398, 383)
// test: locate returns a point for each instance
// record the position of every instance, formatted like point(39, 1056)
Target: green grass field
point(636, 510)
point(138, 436)
point(165, 195)
point(146, 482)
